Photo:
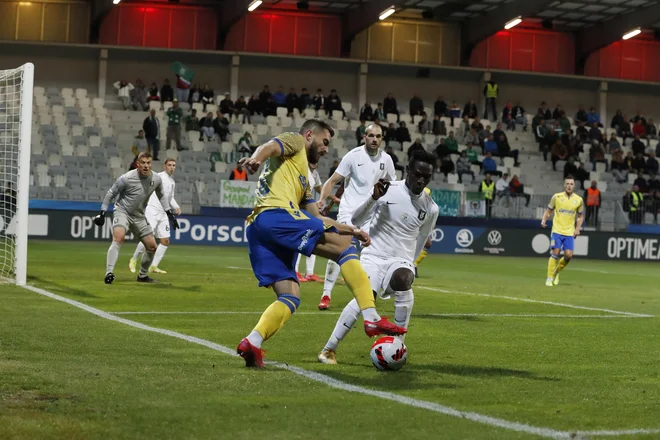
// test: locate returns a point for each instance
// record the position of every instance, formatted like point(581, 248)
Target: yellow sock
point(562, 264)
point(421, 256)
point(356, 278)
point(276, 315)
point(552, 265)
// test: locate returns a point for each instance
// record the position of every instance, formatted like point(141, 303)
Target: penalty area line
point(344, 386)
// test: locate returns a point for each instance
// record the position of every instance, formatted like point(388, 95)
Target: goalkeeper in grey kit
point(131, 194)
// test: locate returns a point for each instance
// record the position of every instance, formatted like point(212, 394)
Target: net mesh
point(10, 120)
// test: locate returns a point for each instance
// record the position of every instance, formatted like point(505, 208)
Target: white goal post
point(16, 92)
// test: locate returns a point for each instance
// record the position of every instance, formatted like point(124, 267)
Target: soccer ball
point(389, 353)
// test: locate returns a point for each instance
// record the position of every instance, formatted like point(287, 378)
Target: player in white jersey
point(399, 216)
point(360, 169)
point(314, 183)
point(158, 220)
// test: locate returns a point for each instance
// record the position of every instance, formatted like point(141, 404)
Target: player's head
point(317, 136)
point(373, 137)
point(420, 171)
point(144, 163)
point(169, 166)
point(569, 184)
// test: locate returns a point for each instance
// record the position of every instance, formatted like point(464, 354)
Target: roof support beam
point(229, 12)
point(603, 34)
point(99, 9)
point(357, 20)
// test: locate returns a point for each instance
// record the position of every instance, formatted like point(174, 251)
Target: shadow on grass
point(60, 288)
point(449, 318)
point(482, 372)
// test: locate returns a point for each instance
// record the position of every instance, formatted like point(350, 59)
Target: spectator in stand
point(472, 137)
point(270, 109)
point(424, 126)
point(519, 116)
point(140, 142)
point(359, 132)
point(238, 173)
point(629, 159)
point(333, 102)
point(502, 188)
point(182, 89)
point(613, 144)
point(581, 115)
point(195, 94)
point(402, 133)
point(655, 205)
point(518, 189)
point(366, 112)
point(617, 120)
point(221, 126)
point(254, 106)
point(536, 121)
point(447, 166)
point(504, 150)
point(557, 153)
point(581, 175)
point(556, 114)
point(192, 122)
point(491, 91)
point(625, 131)
point(499, 132)
point(582, 133)
point(395, 161)
point(241, 108)
point(490, 146)
point(166, 92)
point(151, 127)
point(654, 183)
point(208, 97)
point(245, 145)
point(638, 117)
point(595, 135)
point(264, 96)
point(174, 115)
point(464, 166)
point(470, 110)
point(557, 127)
point(488, 165)
point(636, 206)
point(638, 146)
point(440, 108)
point(593, 118)
point(507, 116)
point(570, 169)
point(651, 166)
point(124, 92)
point(226, 105)
point(417, 145)
point(472, 154)
point(569, 142)
point(304, 101)
point(390, 106)
point(153, 93)
point(440, 150)
point(639, 128)
point(651, 130)
point(641, 182)
point(379, 113)
point(637, 164)
point(439, 127)
point(206, 127)
point(477, 125)
point(597, 154)
point(483, 135)
point(619, 167)
point(454, 112)
point(292, 101)
point(279, 97)
point(319, 101)
point(464, 127)
point(451, 143)
point(551, 139)
point(139, 96)
point(544, 111)
point(487, 187)
point(564, 123)
point(390, 134)
point(416, 105)
point(333, 168)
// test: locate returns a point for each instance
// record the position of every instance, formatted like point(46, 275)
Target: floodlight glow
point(632, 33)
point(254, 5)
point(512, 23)
point(386, 13)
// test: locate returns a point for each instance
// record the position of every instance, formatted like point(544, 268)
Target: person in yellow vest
point(636, 211)
point(427, 245)
point(238, 173)
point(491, 91)
point(488, 188)
point(592, 197)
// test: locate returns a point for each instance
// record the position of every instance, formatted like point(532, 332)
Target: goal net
point(16, 87)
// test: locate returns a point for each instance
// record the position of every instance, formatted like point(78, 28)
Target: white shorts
point(345, 219)
point(159, 222)
point(380, 271)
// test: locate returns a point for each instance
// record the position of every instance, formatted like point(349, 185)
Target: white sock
point(332, 270)
point(160, 253)
point(255, 339)
point(112, 257)
point(298, 263)
point(403, 305)
point(344, 324)
point(370, 314)
point(139, 250)
point(309, 263)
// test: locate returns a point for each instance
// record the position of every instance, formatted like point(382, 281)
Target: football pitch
point(493, 353)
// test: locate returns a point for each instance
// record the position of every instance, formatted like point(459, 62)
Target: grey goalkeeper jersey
point(131, 193)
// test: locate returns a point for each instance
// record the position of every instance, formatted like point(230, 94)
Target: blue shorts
point(275, 239)
point(562, 242)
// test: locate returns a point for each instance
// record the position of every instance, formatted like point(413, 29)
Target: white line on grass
point(334, 383)
point(549, 303)
point(418, 315)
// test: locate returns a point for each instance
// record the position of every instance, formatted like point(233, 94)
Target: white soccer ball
point(389, 353)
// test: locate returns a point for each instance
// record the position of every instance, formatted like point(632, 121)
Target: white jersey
point(399, 223)
point(314, 179)
point(168, 190)
point(361, 172)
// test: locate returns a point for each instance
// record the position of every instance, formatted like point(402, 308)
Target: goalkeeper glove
point(99, 220)
point(172, 219)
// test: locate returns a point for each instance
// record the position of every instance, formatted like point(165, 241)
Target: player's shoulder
point(354, 153)
point(132, 174)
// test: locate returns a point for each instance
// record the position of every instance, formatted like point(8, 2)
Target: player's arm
point(338, 194)
point(548, 212)
point(114, 191)
point(312, 208)
point(272, 148)
point(424, 239)
point(173, 203)
point(326, 191)
point(580, 220)
point(166, 205)
point(366, 210)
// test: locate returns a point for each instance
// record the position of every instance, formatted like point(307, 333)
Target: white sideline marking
point(419, 315)
point(334, 383)
point(549, 303)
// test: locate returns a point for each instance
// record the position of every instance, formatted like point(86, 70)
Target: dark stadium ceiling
point(573, 14)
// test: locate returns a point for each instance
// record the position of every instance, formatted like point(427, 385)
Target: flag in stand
point(475, 205)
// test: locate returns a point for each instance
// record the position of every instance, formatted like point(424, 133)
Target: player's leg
point(401, 283)
point(162, 231)
point(563, 262)
point(149, 242)
point(301, 278)
point(120, 225)
point(331, 273)
point(310, 262)
point(132, 263)
point(555, 247)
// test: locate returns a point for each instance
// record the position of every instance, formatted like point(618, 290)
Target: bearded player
point(286, 221)
point(566, 206)
point(360, 169)
point(400, 217)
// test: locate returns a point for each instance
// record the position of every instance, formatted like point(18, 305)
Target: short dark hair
point(144, 155)
point(570, 176)
point(316, 124)
point(421, 156)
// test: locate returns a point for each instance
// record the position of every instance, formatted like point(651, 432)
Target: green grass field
point(588, 362)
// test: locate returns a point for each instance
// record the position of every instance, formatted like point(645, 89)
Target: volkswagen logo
point(494, 238)
point(437, 235)
point(464, 238)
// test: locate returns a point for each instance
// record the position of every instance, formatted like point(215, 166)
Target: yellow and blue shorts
point(562, 242)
